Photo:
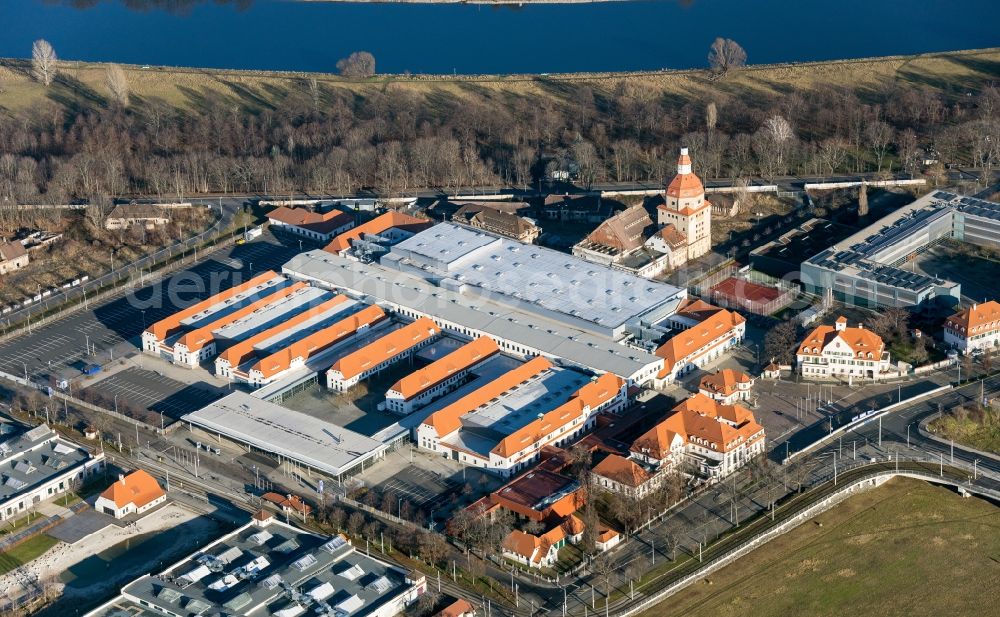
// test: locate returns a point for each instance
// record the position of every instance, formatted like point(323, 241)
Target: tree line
point(321, 139)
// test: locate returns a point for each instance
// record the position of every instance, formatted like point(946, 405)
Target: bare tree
point(863, 200)
point(879, 136)
point(43, 61)
point(117, 84)
point(358, 64)
point(780, 342)
point(726, 54)
point(711, 115)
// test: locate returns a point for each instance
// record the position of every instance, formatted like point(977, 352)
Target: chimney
point(121, 477)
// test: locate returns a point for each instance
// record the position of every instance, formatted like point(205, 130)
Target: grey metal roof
point(534, 275)
point(317, 576)
point(552, 339)
point(294, 435)
point(29, 457)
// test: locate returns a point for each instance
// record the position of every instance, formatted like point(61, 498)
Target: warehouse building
point(868, 267)
point(380, 353)
point(267, 567)
point(158, 339)
point(517, 331)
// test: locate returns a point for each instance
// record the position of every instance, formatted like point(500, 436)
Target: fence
point(26, 312)
point(810, 186)
point(703, 289)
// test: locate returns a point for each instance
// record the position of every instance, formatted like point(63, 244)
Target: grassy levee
point(83, 84)
point(906, 548)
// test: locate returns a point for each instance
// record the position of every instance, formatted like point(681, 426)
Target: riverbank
point(83, 84)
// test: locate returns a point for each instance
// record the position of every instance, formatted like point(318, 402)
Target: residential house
point(975, 328)
point(706, 333)
point(624, 475)
point(482, 216)
point(12, 257)
point(289, 504)
point(542, 551)
point(727, 386)
point(319, 226)
point(136, 493)
point(842, 352)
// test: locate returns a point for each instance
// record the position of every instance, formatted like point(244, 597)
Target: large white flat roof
point(532, 275)
point(294, 435)
point(314, 324)
point(516, 408)
point(554, 339)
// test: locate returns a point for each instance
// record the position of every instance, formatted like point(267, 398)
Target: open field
point(906, 548)
point(85, 83)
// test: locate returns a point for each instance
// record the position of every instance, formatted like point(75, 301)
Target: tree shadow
point(73, 94)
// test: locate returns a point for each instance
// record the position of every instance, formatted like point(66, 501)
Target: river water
point(442, 38)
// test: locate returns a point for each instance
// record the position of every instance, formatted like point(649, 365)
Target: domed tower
point(686, 209)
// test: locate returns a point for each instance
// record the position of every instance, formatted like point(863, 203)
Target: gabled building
point(13, 256)
point(319, 226)
point(486, 217)
point(620, 242)
point(440, 377)
point(842, 352)
point(624, 475)
point(503, 425)
point(706, 332)
point(701, 434)
point(727, 386)
point(974, 328)
point(381, 353)
point(542, 551)
point(136, 493)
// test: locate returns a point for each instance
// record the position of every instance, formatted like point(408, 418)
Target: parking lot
point(152, 390)
point(110, 331)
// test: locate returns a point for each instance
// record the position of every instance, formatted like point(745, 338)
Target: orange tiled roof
point(859, 340)
point(198, 338)
point(685, 185)
point(290, 502)
point(606, 534)
point(622, 470)
point(138, 488)
point(241, 351)
point(386, 347)
point(724, 382)
point(702, 418)
point(318, 341)
point(674, 237)
point(687, 342)
point(376, 226)
point(457, 361)
point(456, 609)
point(446, 420)
point(169, 325)
point(590, 396)
point(305, 218)
point(976, 319)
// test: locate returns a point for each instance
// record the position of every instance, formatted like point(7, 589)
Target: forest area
point(97, 139)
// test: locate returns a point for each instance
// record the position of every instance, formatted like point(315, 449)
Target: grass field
point(83, 84)
point(906, 548)
point(25, 552)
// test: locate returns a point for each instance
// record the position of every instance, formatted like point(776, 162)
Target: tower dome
point(685, 184)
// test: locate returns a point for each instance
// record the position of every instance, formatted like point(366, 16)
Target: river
point(468, 38)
